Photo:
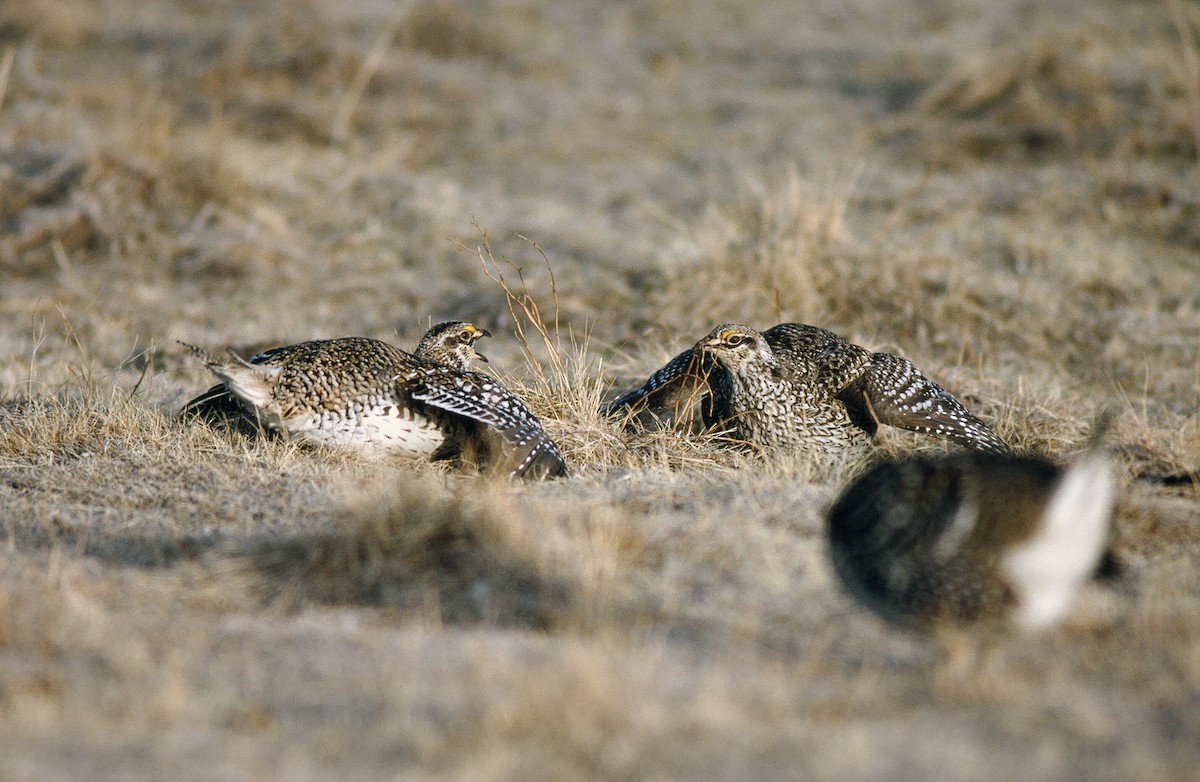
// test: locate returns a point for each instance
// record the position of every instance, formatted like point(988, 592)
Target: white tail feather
point(1066, 548)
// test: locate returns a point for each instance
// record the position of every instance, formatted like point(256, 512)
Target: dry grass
point(1003, 192)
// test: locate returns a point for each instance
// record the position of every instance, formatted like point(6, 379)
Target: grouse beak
point(479, 334)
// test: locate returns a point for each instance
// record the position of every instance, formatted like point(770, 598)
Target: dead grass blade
point(6, 65)
point(339, 131)
point(566, 377)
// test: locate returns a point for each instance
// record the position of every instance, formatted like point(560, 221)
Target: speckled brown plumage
point(451, 343)
point(972, 536)
point(802, 389)
point(367, 396)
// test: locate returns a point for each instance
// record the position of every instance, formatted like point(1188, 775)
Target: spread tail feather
point(251, 383)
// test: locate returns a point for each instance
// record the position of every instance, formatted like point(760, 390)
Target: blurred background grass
point(1007, 193)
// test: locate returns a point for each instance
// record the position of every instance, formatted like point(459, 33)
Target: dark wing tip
point(541, 462)
point(623, 403)
point(900, 395)
point(526, 450)
point(680, 383)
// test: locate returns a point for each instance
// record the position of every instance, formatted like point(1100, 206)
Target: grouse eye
point(465, 337)
point(733, 340)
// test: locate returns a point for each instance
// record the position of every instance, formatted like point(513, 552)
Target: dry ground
point(1006, 192)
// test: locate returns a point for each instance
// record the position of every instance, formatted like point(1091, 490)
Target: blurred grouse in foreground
point(802, 389)
point(973, 536)
point(366, 396)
